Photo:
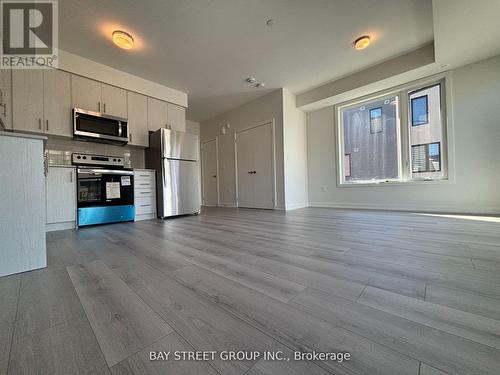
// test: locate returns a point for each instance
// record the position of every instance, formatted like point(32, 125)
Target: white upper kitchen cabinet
point(157, 114)
point(138, 119)
point(27, 100)
point(6, 97)
point(57, 102)
point(176, 117)
point(85, 93)
point(114, 101)
point(61, 198)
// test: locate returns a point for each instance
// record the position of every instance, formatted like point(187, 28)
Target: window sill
point(395, 183)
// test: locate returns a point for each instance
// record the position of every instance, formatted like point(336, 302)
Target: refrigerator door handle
point(163, 179)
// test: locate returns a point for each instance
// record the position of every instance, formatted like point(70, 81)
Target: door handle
point(104, 105)
point(40, 123)
point(47, 124)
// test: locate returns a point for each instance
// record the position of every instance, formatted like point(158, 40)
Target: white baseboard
point(227, 205)
point(412, 208)
point(60, 226)
point(295, 206)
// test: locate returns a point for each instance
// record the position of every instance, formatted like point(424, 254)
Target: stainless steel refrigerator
point(175, 157)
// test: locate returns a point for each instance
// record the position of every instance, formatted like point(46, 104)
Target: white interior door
point(255, 167)
point(263, 168)
point(209, 166)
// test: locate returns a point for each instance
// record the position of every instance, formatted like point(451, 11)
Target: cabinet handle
point(47, 124)
point(98, 106)
point(130, 137)
point(145, 205)
point(40, 123)
point(144, 175)
point(144, 184)
point(71, 176)
point(104, 105)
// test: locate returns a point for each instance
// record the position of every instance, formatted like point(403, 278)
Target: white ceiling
point(208, 47)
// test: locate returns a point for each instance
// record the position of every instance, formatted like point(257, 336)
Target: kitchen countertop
point(61, 166)
point(22, 135)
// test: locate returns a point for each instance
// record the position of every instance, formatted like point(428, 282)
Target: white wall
point(295, 158)
point(192, 127)
point(262, 110)
point(476, 155)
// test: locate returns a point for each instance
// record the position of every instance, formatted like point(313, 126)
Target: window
point(430, 134)
point(408, 146)
point(376, 120)
point(419, 110)
point(372, 158)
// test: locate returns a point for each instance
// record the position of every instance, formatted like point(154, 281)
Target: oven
point(105, 194)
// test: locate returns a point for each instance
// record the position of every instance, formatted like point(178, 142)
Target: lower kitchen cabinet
point(6, 98)
point(144, 194)
point(22, 205)
point(61, 198)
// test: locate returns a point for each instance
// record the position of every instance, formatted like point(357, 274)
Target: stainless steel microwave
point(99, 127)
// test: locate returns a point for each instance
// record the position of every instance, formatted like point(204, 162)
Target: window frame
point(403, 131)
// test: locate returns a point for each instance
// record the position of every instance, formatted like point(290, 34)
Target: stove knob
point(78, 157)
point(84, 157)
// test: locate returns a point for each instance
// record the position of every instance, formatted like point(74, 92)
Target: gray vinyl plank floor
point(122, 322)
point(403, 293)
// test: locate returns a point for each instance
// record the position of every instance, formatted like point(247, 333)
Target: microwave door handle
point(119, 128)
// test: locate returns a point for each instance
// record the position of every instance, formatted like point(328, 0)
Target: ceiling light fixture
point(250, 80)
point(270, 22)
point(362, 42)
point(260, 84)
point(123, 39)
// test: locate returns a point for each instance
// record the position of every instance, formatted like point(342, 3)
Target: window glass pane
point(426, 138)
point(434, 157)
point(419, 110)
point(419, 158)
point(375, 120)
point(426, 158)
point(372, 157)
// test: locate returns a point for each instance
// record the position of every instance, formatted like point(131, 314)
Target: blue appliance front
point(106, 214)
point(105, 195)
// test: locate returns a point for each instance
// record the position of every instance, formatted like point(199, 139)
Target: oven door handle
point(105, 171)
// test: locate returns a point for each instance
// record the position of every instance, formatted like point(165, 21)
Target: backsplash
point(60, 150)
